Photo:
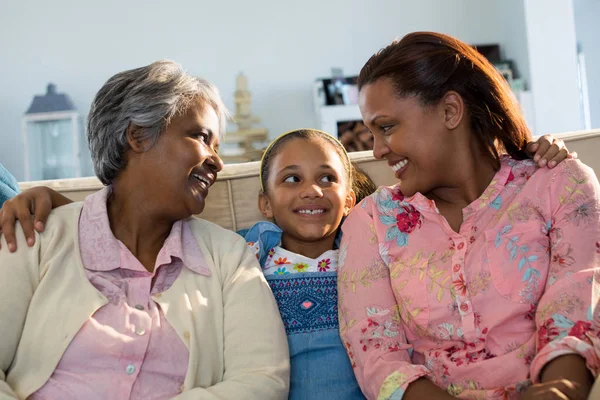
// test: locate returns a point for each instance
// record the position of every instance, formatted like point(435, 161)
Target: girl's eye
point(328, 179)
point(292, 179)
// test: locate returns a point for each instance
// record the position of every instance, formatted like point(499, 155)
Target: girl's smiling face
point(307, 192)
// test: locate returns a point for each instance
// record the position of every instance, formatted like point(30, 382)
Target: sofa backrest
point(232, 201)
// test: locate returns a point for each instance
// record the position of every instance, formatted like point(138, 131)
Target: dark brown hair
point(428, 65)
point(362, 184)
point(305, 134)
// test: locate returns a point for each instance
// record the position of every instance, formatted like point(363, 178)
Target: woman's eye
point(385, 128)
point(292, 179)
point(202, 136)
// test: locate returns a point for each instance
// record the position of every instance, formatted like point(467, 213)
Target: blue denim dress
point(8, 185)
point(308, 303)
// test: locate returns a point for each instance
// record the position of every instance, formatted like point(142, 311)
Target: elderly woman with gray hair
point(126, 296)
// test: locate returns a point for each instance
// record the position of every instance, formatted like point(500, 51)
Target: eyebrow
point(374, 120)
point(292, 168)
point(289, 168)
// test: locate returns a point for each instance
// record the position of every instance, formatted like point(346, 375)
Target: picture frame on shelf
point(336, 91)
point(354, 136)
point(331, 116)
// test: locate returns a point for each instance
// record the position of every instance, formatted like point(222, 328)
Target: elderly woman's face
point(183, 163)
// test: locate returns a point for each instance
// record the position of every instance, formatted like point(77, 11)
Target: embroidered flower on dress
point(271, 253)
point(408, 220)
point(511, 177)
point(323, 265)
point(582, 213)
point(562, 256)
point(547, 333)
point(531, 314)
point(301, 267)
point(281, 271)
point(281, 261)
point(460, 286)
point(580, 329)
point(397, 195)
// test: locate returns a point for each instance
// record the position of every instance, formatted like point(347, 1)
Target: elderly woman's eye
point(202, 136)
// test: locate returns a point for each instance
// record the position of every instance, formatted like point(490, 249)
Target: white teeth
point(201, 179)
point(311, 212)
point(400, 165)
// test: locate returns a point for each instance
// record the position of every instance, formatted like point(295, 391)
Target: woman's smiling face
point(183, 163)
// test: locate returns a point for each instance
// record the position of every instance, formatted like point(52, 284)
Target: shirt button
point(186, 335)
point(139, 307)
point(130, 369)
point(456, 267)
point(464, 307)
point(460, 246)
point(140, 331)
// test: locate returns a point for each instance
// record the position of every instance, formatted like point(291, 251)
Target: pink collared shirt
point(481, 311)
point(127, 349)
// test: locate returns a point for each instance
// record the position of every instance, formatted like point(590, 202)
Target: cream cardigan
point(229, 321)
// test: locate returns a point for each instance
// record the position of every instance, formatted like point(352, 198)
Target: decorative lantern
point(53, 137)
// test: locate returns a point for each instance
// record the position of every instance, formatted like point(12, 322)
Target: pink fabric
point(481, 311)
point(127, 349)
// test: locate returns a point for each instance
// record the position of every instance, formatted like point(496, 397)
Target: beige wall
point(232, 201)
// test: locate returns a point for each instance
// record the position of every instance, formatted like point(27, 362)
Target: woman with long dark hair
point(473, 276)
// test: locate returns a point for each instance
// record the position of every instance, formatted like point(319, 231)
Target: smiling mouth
point(317, 211)
point(202, 179)
point(399, 165)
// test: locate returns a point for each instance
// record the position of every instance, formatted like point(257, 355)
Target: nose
point(214, 162)
point(311, 190)
point(380, 148)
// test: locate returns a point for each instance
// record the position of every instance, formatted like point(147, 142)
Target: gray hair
point(147, 97)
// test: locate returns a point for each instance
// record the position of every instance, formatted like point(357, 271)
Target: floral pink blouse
point(480, 311)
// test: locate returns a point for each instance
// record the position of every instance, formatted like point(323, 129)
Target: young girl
point(306, 190)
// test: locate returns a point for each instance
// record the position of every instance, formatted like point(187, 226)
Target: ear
point(264, 206)
point(135, 139)
point(453, 108)
point(350, 202)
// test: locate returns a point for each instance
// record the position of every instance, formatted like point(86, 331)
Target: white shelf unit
point(330, 116)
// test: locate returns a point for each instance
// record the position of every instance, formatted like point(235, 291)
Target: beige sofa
point(232, 202)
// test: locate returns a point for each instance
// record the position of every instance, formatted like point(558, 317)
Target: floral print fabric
point(481, 311)
point(280, 261)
